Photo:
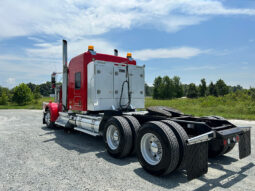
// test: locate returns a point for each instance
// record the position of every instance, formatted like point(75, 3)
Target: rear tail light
point(237, 138)
point(225, 142)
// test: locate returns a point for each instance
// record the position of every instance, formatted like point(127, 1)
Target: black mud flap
point(245, 144)
point(197, 163)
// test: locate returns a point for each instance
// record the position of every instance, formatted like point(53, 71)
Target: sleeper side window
point(77, 80)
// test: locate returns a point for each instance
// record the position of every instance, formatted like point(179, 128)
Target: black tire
point(219, 117)
point(216, 148)
point(125, 137)
point(182, 137)
point(169, 144)
point(208, 117)
point(214, 117)
point(135, 126)
point(230, 147)
point(164, 111)
point(159, 110)
point(49, 123)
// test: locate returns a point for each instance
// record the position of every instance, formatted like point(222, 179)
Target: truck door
point(77, 90)
point(103, 81)
point(119, 78)
point(136, 77)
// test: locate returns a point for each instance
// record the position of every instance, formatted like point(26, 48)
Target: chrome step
point(87, 131)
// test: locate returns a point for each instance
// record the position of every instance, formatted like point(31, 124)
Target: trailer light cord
point(126, 106)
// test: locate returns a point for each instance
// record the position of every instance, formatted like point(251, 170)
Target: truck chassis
point(164, 139)
point(99, 95)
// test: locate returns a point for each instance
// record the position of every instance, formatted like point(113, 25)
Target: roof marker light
point(91, 47)
point(129, 55)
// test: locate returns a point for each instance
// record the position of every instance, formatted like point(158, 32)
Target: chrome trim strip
point(87, 131)
point(201, 138)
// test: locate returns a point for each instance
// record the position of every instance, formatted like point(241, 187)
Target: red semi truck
point(103, 95)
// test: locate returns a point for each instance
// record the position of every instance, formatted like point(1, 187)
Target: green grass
point(32, 105)
point(229, 106)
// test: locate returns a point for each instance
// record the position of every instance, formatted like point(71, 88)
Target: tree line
point(163, 88)
point(169, 88)
point(24, 93)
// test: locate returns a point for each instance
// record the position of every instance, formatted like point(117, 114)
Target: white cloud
point(206, 67)
point(10, 81)
point(76, 19)
point(182, 52)
point(75, 47)
point(38, 63)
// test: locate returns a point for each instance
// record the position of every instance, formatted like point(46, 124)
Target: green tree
point(32, 86)
point(22, 94)
point(177, 87)
point(36, 93)
point(235, 88)
point(202, 88)
point(157, 87)
point(185, 88)
point(212, 90)
point(221, 88)
point(251, 92)
point(148, 90)
point(192, 91)
point(167, 88)
point(3, 99)
point(45, 89)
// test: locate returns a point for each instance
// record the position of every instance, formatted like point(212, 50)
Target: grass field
point(231, 106)
point(32, 105)
point(227, 106)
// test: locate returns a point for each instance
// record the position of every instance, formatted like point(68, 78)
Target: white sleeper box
point(105, 81)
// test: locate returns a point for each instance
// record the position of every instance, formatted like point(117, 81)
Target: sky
point(192, 39)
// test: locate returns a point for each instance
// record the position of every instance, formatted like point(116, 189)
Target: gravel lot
point(33, 157)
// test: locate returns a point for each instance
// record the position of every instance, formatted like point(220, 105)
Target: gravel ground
point(33, 157)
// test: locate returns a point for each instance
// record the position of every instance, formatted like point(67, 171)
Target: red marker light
point(225, 142)
point(237, 138)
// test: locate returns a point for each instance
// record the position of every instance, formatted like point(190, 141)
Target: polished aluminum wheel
point(47, 118)
point(113, 137)
point(151, 148)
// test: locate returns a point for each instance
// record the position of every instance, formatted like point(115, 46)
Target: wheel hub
point(112, 137)
point(151, 149)
point(47, 118)
point(116, 135)
point(154, 147)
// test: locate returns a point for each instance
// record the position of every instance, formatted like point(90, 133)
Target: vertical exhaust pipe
point(115, 52)
point(65, 76)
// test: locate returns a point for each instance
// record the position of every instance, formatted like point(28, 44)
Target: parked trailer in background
point(100, 95)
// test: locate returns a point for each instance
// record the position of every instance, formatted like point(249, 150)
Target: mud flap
point(245, 144)
point(197, 163)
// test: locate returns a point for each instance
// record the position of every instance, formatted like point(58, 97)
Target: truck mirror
point(53, 80)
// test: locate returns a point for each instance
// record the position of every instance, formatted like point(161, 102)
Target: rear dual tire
point(216, 147)
point(118, 137)
point(135, 126)
point(157, 148)
point(182, 137)
point(47, 119)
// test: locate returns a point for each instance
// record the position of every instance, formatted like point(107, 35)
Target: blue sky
point(192, 39)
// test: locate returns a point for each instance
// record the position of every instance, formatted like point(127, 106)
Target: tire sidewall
point(51, 124)
point(116, 152)
point(134, 125)
point(165, 160)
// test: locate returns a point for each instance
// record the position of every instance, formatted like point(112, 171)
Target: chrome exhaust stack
point(65, 77)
